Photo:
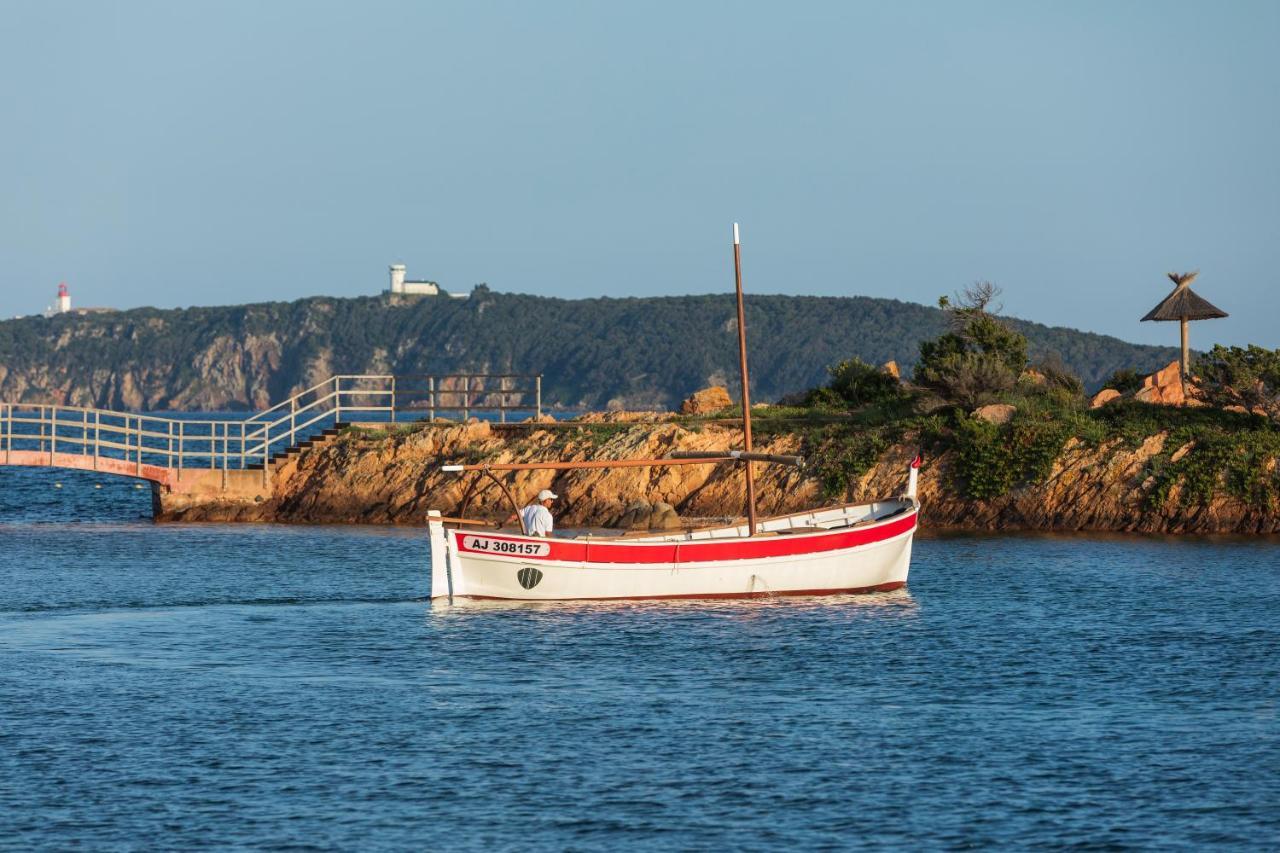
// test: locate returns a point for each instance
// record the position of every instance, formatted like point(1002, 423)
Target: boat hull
point(871, 557)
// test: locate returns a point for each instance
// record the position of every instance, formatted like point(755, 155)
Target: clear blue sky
point(182, 154)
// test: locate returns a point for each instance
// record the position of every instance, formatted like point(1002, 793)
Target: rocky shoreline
point(366, 477)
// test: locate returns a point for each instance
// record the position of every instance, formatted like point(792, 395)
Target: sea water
point(176, 686)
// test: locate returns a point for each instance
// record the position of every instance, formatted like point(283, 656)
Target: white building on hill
point(62, 305)
point(402, 287)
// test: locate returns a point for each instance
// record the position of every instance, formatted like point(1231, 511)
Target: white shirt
point(537, 520)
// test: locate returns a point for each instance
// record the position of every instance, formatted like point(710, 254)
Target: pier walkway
point(178, 453)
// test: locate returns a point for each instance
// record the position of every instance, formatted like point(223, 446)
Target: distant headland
point(626, 353)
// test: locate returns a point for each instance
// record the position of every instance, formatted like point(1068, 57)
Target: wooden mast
point(746, 384)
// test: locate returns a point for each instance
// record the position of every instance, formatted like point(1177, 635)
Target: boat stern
point(441, 586)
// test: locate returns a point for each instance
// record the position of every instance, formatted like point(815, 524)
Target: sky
point(177, 154)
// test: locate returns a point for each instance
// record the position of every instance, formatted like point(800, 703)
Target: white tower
point(397, 278)
point(63, 305)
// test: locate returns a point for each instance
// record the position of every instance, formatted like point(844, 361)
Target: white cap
point(547, 495)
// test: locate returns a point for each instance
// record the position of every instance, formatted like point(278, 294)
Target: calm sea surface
point(285, 687)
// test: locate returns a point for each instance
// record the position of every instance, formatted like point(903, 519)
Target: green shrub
point(978, 359)
point(966, 379)
point(1035, 444)
point(858, 383)
point(837, 456)
point(991, 459)
point(1125, 381)
point(983, 463)
point(1239, 462)
point(854, 384)
point(1248, 377)
point(823, 397)
point(1058, 377)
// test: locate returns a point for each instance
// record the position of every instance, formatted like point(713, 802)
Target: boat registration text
point(506, 546)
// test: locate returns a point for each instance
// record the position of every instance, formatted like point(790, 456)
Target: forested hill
point(636, 352)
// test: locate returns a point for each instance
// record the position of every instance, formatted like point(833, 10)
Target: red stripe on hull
point(704, 551)
point(884, 587)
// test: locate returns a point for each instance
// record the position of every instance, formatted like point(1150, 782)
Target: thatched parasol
point(1184, 305)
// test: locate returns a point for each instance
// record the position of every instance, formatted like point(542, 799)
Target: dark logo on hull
point(529, 577)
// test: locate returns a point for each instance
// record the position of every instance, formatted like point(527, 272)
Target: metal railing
point(132, 438)
point(342, 398)
point(229, 444)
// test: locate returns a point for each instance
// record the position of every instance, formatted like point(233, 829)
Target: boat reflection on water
point(894, 604)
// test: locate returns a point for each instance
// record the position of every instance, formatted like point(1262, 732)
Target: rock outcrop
point(1163, 387)
point(707, 401)
point(1106, 395)
point(396, 478)
point(996, 413)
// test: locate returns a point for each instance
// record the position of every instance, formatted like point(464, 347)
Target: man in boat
point(537, 515)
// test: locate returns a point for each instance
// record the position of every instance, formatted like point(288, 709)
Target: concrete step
point(320, 438)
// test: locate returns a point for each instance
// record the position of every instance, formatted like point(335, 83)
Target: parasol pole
point(1186, 357)
point(746, 385)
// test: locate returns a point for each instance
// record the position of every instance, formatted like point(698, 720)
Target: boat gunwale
point(659, 538)
point(795, 545)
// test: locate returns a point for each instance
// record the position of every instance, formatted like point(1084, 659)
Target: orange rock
point(477, 430)
point(996, 413)
point(1164, 387)
point(891, 368)
point(706, 401)
point(1106, 395)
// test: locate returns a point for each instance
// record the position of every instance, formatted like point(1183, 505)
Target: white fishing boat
point(849, 548)
point(845, 549)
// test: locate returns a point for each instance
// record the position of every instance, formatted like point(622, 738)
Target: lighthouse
point(400, 286)
point(63, 305)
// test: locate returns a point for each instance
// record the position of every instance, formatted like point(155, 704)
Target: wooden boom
point(739, 456)
point(710, 457)
point(571, 466)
